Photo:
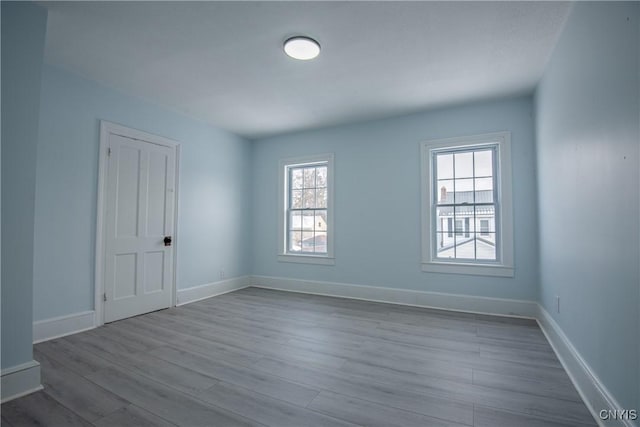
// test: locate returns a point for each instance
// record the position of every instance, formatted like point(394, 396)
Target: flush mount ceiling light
point(303, 48)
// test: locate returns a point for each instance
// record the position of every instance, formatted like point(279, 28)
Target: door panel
point(128, 183)
point(139, 214)
point(157, 194)
point(125, 276)
point(153, 268)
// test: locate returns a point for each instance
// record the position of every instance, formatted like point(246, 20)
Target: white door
point(139, 227)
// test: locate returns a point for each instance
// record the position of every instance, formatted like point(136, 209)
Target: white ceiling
point(223, 61)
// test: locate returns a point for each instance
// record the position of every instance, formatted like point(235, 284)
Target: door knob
point(167, 240)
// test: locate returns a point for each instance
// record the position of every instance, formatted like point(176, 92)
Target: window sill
point(307, 259)
point(469, 269)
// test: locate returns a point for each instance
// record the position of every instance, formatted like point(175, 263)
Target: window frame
point(283, 211)
point(504, 264)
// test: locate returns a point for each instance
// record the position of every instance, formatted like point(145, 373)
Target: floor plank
point(240, 376)
point(272, 412)
point(396, 397)
point(40, 409)
point(556, 389)
point(164, 401)
point(365, 413)
point(490, 417)
point(131, 415)
point(76, 359)
point(83, 397)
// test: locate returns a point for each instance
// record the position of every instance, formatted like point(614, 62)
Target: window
point(306, 210)
point(467, 185)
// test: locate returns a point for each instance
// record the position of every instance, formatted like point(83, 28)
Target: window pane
point(447, 246)
point(464, 245)
point(484, 227)
point(320, 221)
point(486, 247)
point(444, 244)
point(296, 199)
point(445, 191)
point(463, 165)
point(459, 227)
point(321, 176)
point(321, 198)
point(308, 244)
point(444, 194)
point(464, 191)
point(309, 178)
point(484, 163)
point(295, 221)
point(321, 242)
point(465, 248)
point(295, 238)
point(296, 178)
point(307, 220)
point(443, 217)
point(470, 225)
point(309, 198)
point(486, 221)
point(484, 184)
point(444, 164)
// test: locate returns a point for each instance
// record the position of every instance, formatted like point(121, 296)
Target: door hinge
point(104, 297)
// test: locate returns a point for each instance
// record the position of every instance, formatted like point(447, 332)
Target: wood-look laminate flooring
point(269, 358)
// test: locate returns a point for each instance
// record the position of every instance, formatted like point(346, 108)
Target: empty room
point(301, 213)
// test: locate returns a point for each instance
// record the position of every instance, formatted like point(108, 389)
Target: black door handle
point(167, 240)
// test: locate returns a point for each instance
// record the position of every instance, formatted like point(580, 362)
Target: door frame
point(106, 130)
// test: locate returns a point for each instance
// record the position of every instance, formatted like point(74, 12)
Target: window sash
point(289, 210)
point(435, 204)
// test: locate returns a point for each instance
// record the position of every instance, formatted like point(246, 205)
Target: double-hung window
point(466, 185)
point(306, 210)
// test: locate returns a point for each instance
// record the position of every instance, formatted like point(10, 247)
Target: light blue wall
point(215, 182)
point(23, 32)
point(377, 199)
point(588, 144)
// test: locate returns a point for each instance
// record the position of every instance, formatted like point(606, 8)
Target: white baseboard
point(56, 327)
point(454, 302)
point(19, 381)
point(594, 394)
point(197, 293)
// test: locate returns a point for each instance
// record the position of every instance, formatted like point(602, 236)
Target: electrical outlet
point(221, 274)
point(557, 303)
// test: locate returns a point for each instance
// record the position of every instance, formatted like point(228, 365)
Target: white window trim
point(283, 190)
point(504, 267)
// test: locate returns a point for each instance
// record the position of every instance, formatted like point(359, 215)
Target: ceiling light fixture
point(303, 48)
